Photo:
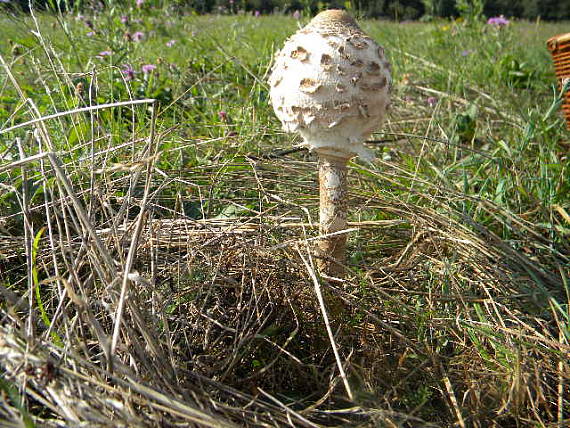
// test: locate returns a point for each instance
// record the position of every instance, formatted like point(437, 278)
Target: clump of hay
point(219, 324)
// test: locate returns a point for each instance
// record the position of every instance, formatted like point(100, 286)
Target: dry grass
point(148, 317)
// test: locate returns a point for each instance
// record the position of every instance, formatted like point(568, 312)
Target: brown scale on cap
point(300, 53)
point(335, 21)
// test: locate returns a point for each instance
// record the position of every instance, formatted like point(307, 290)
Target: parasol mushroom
point(330, 83)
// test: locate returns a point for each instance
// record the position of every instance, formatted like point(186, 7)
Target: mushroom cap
point(330, 83)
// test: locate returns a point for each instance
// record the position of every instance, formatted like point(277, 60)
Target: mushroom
point(330, 83)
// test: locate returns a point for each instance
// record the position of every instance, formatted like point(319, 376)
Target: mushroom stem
point(332, 214)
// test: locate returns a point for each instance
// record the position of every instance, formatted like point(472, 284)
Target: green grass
point(458, 304)
point(500, 89)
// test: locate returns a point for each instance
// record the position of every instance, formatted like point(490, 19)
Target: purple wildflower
point(128, 72)
point(89, 34)
point(257, 14)
point(140, 3)
point(89, 23)
point(170, 43)
point(466, 52)
point(148, 68)
point(138, 36)
point(498, 21)
point(432, 101)
point(223, 116)
point(297, 15)
point(124, 19)
point(103, 54)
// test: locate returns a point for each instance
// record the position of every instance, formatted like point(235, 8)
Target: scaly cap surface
point(330, 83)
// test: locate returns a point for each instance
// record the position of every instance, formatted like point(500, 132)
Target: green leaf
point(78, 133)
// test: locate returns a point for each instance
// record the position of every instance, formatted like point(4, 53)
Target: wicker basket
point(559, 47)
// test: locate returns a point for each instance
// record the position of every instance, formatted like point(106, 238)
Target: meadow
point(156, 227)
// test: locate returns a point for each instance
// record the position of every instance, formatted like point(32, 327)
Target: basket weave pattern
point(559, 47)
